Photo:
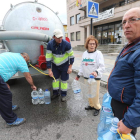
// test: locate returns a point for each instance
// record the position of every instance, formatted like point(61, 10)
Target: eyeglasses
point(92, 44)
point(130, 21)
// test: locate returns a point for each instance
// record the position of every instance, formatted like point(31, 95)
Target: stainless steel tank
point(32, 17)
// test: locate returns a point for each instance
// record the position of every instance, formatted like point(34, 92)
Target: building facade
point(107, 28)
point(65, 29)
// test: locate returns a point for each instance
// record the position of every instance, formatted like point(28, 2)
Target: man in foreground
point(124, 80)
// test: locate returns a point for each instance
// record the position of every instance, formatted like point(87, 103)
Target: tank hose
point(41, 71)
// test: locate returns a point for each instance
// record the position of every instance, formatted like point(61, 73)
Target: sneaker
point(96, 112)
point(17, 122)
point(89, 108)
point(55, 96)
point(15, 107)
point(63, 99)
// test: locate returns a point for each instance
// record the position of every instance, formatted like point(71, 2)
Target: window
point(122, 3)
point(98, 32)
point(77, 18)
point(72, 20)
point(118, 34)
point(78, 36)
point(72, 36)
point(104, 34)
point(110, 34)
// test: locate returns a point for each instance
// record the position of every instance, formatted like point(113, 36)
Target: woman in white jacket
point(92, 63)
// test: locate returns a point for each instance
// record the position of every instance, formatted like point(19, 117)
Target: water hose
point(41, 71)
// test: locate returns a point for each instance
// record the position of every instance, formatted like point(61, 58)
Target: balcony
point(84, 3)
point(116, 15)
point(124, 3)
point(81, 18)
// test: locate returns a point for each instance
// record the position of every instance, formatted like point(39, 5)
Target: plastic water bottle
point(106, 97)
point(101, 125)
point(104, 124)
point(41, 96)
point(91, 87)
point(110, 134)
point(34, 95)
point(47, 96)
point(107, 100)
point(106, 110)
point(76, 89)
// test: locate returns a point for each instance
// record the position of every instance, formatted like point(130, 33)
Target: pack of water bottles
point(40, 97)
point(107, 128)
point(112, 133)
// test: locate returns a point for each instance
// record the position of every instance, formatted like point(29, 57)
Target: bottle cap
point(46, 90)
point(115, 121)
point(39, 89)
point(91, 76)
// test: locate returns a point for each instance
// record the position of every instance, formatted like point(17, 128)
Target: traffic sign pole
point(91, 26)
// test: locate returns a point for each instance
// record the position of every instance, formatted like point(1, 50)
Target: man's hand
point(122, 128)
point(33, 87)
point(50, 73)
point(69, 69)
point(8, 86)
point(94, 74)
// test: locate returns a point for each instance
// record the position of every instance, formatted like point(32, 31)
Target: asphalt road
point(56, 121)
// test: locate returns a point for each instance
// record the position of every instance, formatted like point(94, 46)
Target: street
point(58, 120)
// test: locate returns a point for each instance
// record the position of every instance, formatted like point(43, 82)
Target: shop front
point(110, 33)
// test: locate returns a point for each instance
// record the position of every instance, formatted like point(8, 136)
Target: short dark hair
point(25, 54)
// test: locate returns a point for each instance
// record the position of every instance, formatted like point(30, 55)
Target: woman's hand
point(94, 74)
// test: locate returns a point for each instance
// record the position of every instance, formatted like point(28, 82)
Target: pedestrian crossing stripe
point(93, 10)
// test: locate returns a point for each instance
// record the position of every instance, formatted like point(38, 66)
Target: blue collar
point(54, 42)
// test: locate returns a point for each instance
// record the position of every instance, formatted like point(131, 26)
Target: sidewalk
point(109, 64)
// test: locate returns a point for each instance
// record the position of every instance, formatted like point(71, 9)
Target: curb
point(102, 83)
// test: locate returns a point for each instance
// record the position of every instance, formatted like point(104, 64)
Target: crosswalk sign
point(92, 9)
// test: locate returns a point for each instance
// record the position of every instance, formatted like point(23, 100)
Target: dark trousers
point(60, 72)
point(119, 109)
point(6, 103)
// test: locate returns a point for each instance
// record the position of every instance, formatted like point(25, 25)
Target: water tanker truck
point(27, 27)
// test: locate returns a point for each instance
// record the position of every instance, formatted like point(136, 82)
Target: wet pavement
point(58, 120)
